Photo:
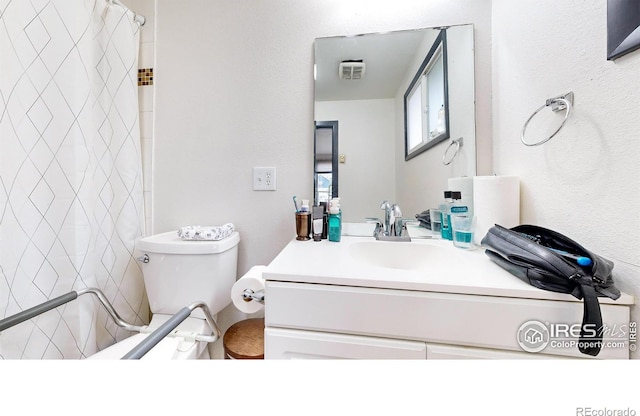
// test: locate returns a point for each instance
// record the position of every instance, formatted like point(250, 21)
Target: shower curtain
point(71, 201)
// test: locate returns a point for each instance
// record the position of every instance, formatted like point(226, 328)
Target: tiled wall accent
point(145, 76)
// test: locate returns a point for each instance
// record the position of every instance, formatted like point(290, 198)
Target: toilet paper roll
point(465, 186)
point(251, 280)
point(496, 200)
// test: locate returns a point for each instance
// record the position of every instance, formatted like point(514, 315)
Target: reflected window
point(324, 187)
point(426, 102)
point(416, 107)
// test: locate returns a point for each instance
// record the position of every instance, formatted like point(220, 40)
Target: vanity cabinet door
point(294, 344)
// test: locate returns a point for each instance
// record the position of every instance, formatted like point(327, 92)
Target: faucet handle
point(402, 222)
point(377, 222)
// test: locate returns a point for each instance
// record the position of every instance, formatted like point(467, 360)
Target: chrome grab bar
point(110, 309)
point(34, 311)
point(155, 337)
point(166, 328)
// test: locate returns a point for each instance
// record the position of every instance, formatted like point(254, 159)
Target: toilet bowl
point(176, 274)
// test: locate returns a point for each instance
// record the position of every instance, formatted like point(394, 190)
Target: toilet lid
point(164, 350)
point(171, 243)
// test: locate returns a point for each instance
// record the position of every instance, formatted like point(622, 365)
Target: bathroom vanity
point(368, 299)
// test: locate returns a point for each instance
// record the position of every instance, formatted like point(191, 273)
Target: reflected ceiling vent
point(353, 69)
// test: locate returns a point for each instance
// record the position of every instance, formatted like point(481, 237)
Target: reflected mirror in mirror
point(360, 84)
point(325, 176)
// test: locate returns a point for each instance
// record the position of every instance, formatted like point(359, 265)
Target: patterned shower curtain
point(71, 203)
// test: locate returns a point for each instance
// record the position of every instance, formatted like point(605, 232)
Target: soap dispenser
point(335, 220)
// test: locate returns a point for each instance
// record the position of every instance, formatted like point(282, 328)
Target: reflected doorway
point(325, 161)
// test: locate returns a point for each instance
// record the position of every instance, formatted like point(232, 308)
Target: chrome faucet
point(393, 227)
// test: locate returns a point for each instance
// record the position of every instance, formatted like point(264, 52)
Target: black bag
point(424, 218)
point(551, 261)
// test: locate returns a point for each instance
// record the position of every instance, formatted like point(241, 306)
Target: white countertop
point(449, 270)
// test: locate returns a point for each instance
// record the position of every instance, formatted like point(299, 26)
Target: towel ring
point(458, 142)
point(562, 102)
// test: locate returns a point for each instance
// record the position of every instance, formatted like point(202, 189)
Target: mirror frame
point(439, 43)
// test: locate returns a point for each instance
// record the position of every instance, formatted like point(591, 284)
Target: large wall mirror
point(360, 87)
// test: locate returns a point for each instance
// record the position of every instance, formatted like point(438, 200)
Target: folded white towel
point(198, 233)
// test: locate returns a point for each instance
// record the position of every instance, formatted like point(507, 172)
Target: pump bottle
point(335, 220)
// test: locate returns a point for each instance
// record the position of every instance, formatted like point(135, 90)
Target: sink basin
point(400, 255)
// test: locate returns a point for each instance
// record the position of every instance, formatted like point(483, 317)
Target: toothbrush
point(295, 203)
point(581, 260)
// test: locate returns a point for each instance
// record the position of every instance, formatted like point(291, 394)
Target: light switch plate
point(264, 179)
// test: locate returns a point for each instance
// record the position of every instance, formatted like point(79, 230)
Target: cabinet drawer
point(443, 318)
point(295, 344)
point(453, 352)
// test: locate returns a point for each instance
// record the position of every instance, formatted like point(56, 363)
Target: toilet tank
point(179, 272)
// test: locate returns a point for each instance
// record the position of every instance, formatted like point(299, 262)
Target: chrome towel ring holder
point(458, 143)
point(559, 103)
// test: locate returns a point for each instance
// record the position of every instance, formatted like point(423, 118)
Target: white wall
point(366, 138)
point(585, 182)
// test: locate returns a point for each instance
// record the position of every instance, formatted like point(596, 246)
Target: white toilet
point(178, 273)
